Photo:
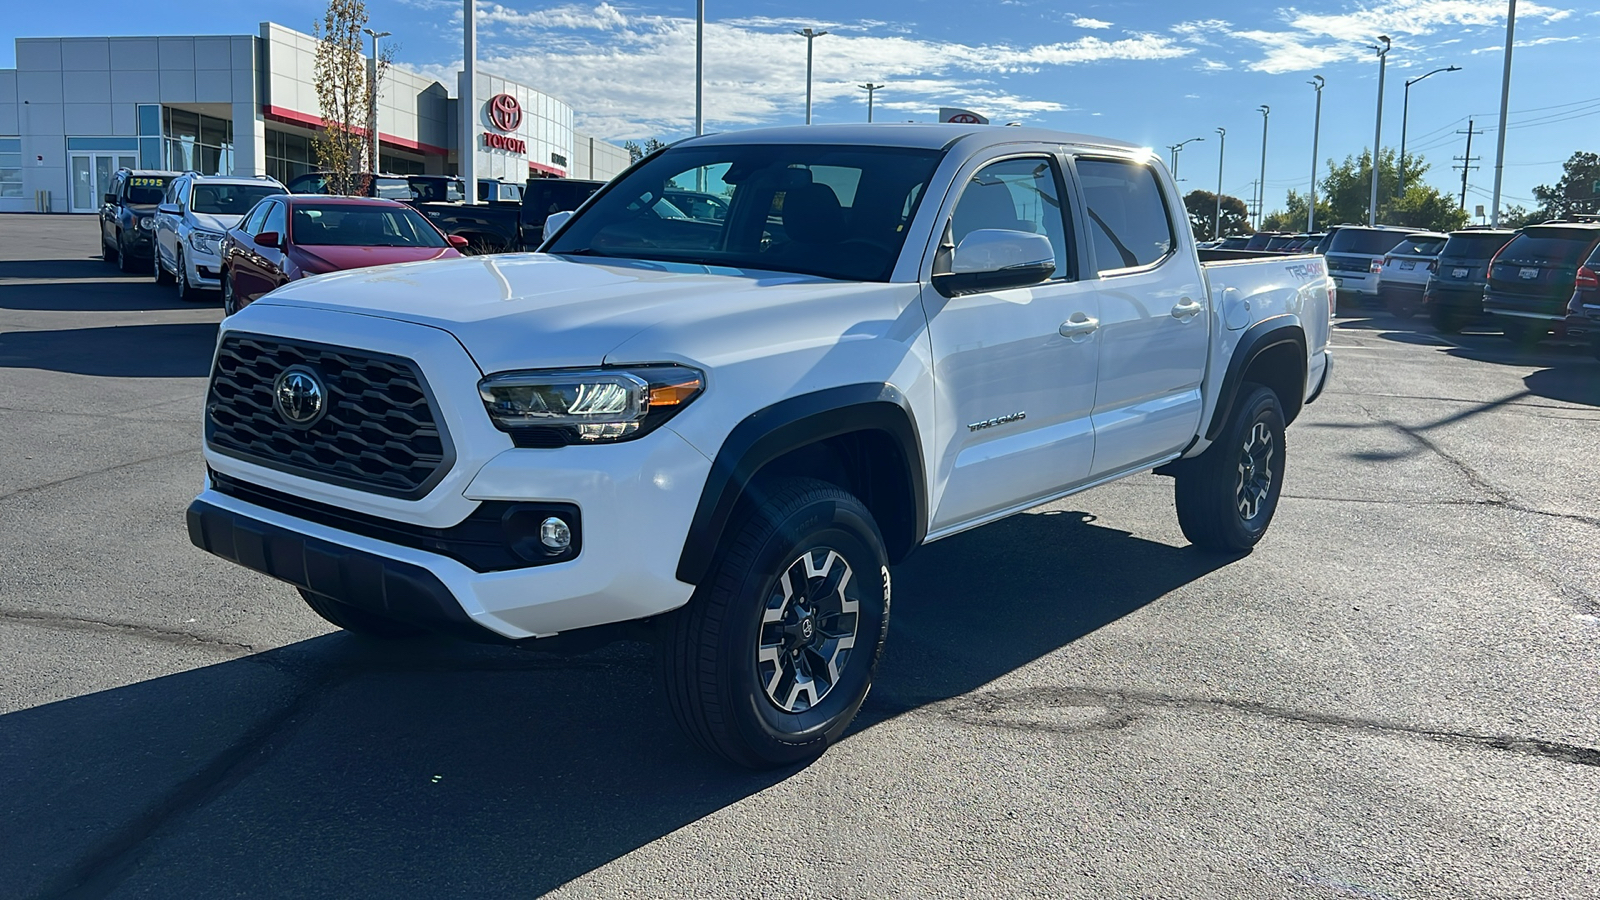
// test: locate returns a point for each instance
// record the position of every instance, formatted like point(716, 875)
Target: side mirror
point(993, 259)
point(457, 241)
point(554, 221)
point(268, 239)
point(170, 209)
point(111, 199)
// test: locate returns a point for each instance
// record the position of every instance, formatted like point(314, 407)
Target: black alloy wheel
point(1226, 496)
point(773, 656)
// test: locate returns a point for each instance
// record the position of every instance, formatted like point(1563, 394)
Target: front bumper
point(203, 270)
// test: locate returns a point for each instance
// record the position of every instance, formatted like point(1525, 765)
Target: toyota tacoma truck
point(725, 433)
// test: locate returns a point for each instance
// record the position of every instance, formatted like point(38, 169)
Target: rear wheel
point(356, 620)
point(1445, 320)
point(773, 655)
point(1227, 495)
point(1524, 332)
point(1400, 306)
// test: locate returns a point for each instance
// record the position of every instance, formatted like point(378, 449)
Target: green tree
point(345, 94)
point(1348, 186)
point(1202, 208)
point(1424, 206)
point(1578, 191)
point(637, 152)
point(1516, 216)
point(1293, 217)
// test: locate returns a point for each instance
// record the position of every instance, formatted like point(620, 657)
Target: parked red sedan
point(286, 237)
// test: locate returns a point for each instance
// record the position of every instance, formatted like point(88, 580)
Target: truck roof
point(913, 135)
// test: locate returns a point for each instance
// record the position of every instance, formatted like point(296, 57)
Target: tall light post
point(1377, 133)
point(1505, 98)
point(1317, 82)
point(1222, 147)
point(372, 96)
point(1261, 185)
point(467, 90)
point(1176, 149)
point(1405, 118)
point(810, 35)
point(700, 67)
point(871, 89)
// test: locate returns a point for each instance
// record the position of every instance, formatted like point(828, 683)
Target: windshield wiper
point(586, 251)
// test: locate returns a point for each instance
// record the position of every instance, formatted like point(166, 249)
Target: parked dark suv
point(1533, 277)
point(128, 217)
point(1454, 295)
point(1583, 311)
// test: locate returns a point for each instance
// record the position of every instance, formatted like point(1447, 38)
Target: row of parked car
point(1528, 282)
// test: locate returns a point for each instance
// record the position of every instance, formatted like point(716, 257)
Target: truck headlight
point(556, 407)
point(207, 242)
point(148, 223)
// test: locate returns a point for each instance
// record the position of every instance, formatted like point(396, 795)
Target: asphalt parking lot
point(1396, 695)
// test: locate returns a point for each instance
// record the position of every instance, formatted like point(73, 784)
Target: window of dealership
point(74, 110)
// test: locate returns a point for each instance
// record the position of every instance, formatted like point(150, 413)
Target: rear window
point(1474, 246)
point(1561, 246)
point(1418, 247)
point(1365, 241)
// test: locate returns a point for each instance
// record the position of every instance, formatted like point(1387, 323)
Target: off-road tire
point(1211, 489)
point(712, 649)
point(358, 621)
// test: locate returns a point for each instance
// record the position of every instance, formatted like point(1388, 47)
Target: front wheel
point(773, 655)
point(124, 261)
point(1226, 496)
point(163, 277)
point(228, 302)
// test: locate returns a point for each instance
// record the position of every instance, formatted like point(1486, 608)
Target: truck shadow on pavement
point(335, 767)
point(172, 350)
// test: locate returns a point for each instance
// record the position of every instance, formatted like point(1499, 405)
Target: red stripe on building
point(305, 120)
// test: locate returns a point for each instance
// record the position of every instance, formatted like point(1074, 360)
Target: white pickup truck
point(726, 431)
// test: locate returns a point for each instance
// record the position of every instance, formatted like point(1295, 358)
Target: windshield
point(834, 211)
point(1562, 246)
point(147, 188)
point(1365, 241)
point(1474, 246)
point(229, 199)
point(349, 225)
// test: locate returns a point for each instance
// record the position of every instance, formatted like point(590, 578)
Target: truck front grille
point(378, 430)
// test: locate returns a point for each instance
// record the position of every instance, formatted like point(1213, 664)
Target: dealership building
point(74, 110)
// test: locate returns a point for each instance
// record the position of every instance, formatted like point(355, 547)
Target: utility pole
point(1176, 149)
point(372, 93)
point(1317, 81)
point(810, 35)
point(1467, 162)
point(871, 89)
point(467, 90)
point(1222, 148)
point(1377, 134)
point(1261, 190)
point(1505, 99)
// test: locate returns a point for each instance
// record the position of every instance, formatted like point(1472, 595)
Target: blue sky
point(1150, 71)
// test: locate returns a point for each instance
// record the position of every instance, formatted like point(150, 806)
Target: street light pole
point(1317, 82)
point(1505, 98)
point(372, 96)
point(1377, 134)
point(871, 89)
point(1222, 148)
point(1176, 149)
point(700, 67)
point(1405, 118)
point(810, 35)
point(1261, 185)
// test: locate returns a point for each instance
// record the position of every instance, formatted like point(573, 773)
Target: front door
point(1014, 369)
point(1154, 321)
point(91, 177)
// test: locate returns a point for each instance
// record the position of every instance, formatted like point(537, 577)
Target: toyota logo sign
point(965, 119)
point(505, 113)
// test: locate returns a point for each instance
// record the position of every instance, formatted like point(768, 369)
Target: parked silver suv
point(195, 213)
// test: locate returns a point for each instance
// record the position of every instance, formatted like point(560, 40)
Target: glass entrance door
point(91, 177)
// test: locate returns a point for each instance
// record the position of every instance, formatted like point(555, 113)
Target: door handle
point(1186, 310)
point(1079, 327)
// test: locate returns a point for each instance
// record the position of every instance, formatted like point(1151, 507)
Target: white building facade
point(74, 110)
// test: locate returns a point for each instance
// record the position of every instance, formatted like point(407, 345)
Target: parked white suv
point(191, 221)
point(723, 433)
point(1403, 275)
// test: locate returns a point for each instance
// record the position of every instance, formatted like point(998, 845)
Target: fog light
point(554, 533)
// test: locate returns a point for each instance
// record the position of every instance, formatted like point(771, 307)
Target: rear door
point(1154, 322)
point(1015, 369)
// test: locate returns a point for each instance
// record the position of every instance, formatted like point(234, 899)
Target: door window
point(1128, 216)
point(276, 221)
point(252, 224)
point(1016, 195)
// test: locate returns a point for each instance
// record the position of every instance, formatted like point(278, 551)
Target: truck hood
point(525, 310)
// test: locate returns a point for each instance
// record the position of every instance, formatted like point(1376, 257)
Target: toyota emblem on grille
point(299, 396)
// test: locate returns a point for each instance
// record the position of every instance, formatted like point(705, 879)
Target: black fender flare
point(1274, 331)
point(788, 425)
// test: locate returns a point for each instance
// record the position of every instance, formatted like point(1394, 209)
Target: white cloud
point(631, 76)
point(1501, 48)
point(1086, 22)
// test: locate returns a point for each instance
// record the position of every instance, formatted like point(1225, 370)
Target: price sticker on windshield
point(146, 181)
